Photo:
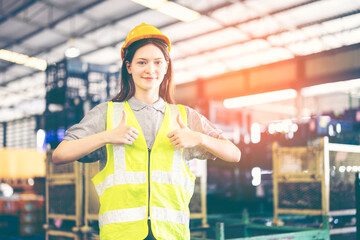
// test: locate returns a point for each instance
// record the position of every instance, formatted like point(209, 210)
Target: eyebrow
point(160, 58)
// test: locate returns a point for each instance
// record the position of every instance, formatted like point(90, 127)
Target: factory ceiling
point(222, 36)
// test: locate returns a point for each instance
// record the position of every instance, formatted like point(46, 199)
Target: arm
point(187, 138)
point(221, 148)
point(69, 151)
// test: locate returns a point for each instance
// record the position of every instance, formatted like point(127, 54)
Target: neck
point(148, 97)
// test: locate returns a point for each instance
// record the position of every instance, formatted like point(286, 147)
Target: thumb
point(180, 122)
point(124, 117)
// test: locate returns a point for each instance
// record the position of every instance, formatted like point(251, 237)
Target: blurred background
point(280, 78)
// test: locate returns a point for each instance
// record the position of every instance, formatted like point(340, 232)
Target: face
point(147, 68)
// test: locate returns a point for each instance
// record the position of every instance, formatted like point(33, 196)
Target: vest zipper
point(149, 150)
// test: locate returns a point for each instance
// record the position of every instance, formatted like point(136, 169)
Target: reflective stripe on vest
point(177, 179)
point(169, 215)
point(122, 215)
point(135, 214)
point(120, 174)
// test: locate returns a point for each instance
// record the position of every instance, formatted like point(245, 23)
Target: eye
point(141, 62)
point(159, 62)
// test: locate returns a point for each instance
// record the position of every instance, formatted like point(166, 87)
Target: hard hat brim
point(158, 36)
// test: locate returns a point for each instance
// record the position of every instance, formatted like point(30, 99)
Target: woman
point(145, 185)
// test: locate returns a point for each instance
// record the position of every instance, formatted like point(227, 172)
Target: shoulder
point(173, 105)
point(102, 106)
point(96, 113)
point(99, 109)
point(190, 112)
point(182, 108)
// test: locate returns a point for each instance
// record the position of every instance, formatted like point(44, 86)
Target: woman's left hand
point(184, 137)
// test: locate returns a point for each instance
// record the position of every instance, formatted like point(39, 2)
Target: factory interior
point(280, 79)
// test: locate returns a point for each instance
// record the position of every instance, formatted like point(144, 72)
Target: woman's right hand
point(122, 134)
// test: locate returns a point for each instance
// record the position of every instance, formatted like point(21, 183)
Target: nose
point(150, 67)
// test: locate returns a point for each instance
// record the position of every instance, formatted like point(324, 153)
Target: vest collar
point(137, 105)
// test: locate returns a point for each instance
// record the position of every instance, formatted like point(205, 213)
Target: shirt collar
point(137, 105)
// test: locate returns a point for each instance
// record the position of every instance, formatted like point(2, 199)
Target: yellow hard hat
point(143, 31)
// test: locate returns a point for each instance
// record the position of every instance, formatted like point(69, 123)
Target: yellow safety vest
point(123, 185)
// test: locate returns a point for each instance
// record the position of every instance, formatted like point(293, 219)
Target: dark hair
point(127, 86)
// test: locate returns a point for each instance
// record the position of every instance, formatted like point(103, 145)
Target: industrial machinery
point(317, 180)
point(243, 229)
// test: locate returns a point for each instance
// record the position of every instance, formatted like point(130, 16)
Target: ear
point(128, 66)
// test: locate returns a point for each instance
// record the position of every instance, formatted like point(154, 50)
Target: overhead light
point(22, 59)
point(179, 12)
point(171, 9)
point(261, 98)
point(256, 175)
point(279, 108)
point(72, 52)
point(330, 88)
point(255, 133)
point(40, 139)
point(153, 4)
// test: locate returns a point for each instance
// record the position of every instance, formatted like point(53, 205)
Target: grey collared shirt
point(150, 118)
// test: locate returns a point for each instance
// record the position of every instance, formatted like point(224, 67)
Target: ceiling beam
point(57, 6)
point(50, 25)
point(246, 21)
point(53, 24)
point(207, 12)
point(271, 34)
point(4, 69)
point(203, 13)
point(21, 8)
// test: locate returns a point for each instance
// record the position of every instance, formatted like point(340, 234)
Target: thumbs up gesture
point(184, 137)
point(180, 122)
point(122, 134)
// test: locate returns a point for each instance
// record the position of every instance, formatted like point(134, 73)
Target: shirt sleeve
point(197, 122)
point(93, 122)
